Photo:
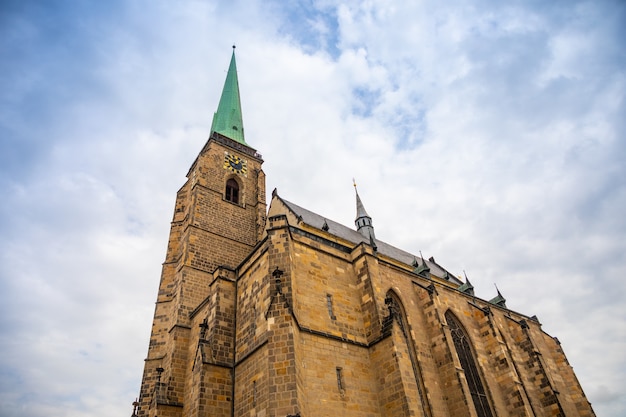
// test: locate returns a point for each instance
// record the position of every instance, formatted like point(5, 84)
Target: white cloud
point(490, 136)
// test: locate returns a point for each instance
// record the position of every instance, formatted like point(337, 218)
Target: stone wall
point(272, 317)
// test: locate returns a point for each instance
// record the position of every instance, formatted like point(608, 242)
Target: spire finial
point(497, 289)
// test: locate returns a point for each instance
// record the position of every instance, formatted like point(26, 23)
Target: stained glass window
point(466, 357)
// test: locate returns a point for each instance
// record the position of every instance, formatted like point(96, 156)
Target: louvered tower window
point(466, 357)
point(232, 191)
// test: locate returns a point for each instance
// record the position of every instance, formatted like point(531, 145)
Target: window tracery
point(468, 363)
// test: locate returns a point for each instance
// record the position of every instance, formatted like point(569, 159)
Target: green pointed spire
point(498, 299)
point(467, 287)
point(227, 120)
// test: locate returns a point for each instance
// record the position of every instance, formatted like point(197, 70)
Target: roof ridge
point(346, 233)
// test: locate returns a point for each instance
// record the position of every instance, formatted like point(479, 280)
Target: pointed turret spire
point(467, 287)
point(422, 269)
point(363, 220)
point(498, 299)
point(227, 120)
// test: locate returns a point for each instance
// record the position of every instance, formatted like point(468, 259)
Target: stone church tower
point(292, 314)
point(219, 217)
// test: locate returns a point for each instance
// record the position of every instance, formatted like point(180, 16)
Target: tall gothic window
point(232, 191)
point(397, 313)
point(466, 357)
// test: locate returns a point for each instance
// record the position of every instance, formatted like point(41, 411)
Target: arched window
point(232, 191)
point(466, 357)
point(397, 313)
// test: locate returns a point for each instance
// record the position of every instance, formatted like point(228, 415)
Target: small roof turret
point(422, 269)
point(227, 120)
point(498, 300)
point(363, 220)
point(466, 287)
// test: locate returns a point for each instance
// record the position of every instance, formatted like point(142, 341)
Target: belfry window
point(466, 357)
point(232, 191)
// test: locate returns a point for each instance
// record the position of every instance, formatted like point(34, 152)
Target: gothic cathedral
point(283, 312)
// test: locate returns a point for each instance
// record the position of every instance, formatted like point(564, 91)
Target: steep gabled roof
point(347, 234)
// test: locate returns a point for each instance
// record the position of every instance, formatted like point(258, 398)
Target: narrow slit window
point(254, 393)
point(232, 191)
point(253, 324)
point(329, 305)
point(340, 386)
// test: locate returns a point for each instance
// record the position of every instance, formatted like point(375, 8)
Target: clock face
point(235, 164)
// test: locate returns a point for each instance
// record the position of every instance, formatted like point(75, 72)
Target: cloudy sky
point(488, 134)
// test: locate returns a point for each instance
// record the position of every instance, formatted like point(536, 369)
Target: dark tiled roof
point(351, 235)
